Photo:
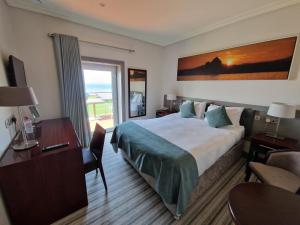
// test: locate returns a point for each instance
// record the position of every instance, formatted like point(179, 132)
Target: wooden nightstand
point(162, 112)
point(261, 144)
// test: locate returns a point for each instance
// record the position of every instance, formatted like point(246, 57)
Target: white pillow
point(200, 109)
point(234, 113)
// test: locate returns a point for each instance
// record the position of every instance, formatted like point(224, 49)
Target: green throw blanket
point(173, 169)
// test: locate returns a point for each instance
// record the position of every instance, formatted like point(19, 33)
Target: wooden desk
point(261, 204)
point(42, 187)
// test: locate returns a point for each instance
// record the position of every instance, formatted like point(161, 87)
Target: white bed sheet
point(204, 143)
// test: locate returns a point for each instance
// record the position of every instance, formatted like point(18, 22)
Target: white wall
point(6, 48)
point(36, 50)
point(27, 32)
point(269, 26)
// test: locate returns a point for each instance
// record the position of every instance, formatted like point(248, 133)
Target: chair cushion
point(276, 176)
point(89, 160)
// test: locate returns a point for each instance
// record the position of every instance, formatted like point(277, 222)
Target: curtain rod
point(102, 45)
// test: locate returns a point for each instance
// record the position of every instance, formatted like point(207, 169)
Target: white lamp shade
point(17, 96)
point(282, 110)
point(171, 97)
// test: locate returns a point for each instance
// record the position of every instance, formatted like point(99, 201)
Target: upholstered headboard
point(247, 117)
point(247, 120)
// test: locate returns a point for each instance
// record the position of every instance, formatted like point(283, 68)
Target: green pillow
point(218, 117)
point(187, 109)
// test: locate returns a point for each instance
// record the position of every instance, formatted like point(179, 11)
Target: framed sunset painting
point(270, 60)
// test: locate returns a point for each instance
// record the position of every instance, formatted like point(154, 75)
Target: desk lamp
point(281, 110)
point(19, 96)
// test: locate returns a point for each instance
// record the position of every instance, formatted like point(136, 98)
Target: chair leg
point(102, 174)
point(248, 173)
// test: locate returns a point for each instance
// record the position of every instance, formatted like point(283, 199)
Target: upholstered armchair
point(282, 169)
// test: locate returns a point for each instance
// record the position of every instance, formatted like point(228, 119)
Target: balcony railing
point(100, 109)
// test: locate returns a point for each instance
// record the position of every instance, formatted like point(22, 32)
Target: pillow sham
point(187, 109)
point(199, 109)
point(218, 117)
point(234, 113)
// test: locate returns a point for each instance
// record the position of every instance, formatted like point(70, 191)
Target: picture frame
point(137, 92)
point(268, 60)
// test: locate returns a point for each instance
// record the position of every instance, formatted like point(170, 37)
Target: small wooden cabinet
point(162, 112)
point(41, 187)
point(261, 145)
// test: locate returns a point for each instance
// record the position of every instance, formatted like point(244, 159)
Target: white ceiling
point(160, 22)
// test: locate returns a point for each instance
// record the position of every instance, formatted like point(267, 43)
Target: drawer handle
point(267, 147)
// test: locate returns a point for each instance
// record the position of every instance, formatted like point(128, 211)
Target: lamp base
point(24, 146)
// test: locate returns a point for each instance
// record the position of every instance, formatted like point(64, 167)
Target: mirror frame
point(129, 110)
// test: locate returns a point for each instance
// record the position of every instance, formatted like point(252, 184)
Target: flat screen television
point(16, 72)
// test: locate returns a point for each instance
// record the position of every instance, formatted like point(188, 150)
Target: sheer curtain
point(72, 92)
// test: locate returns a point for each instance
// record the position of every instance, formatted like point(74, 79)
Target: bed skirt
point(206, 180)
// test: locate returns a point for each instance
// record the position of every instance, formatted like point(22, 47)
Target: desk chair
point(92, 156)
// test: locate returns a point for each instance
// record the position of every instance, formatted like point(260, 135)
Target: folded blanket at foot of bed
point(173, 169)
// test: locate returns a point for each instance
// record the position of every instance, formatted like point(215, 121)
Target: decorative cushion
point(199, 109)
point(234, 113)
point(212, 107)
point(187, 109)
point(218, 117)
point(276, 176)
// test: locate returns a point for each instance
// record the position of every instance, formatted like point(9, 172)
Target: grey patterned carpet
point(130, 200)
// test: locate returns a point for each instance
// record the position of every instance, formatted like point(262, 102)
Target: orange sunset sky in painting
point(259, 52)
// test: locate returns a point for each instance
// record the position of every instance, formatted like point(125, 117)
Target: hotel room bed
point(179, 157)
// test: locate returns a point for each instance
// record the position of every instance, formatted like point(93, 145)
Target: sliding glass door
point(101, 94)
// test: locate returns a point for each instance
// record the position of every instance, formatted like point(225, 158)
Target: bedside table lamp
point(281, 110)
point(171, 98)
point(19, 96)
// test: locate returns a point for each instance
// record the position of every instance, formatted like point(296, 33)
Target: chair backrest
point(288, 160)
point(97, 142)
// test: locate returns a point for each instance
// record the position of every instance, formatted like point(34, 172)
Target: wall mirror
point(137, 83)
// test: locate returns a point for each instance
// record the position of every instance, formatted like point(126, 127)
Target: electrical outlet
point(257, 117)
point(273, 120)
point(9, 121)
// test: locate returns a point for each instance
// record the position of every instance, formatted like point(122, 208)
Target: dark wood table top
point(261, 204)
point(289, 143)
point(47, 133)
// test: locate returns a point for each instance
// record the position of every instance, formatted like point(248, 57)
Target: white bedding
point(204, 143)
